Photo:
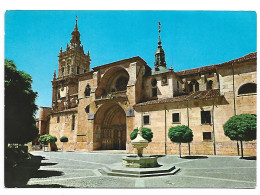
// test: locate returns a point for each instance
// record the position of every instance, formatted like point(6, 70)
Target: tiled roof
point(197, 70)
point(194, 95)
point(136, 58)
point(244, 58)
point(211, 68)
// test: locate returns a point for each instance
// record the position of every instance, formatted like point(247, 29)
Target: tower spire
point(159, 42)
point(76, 25)
point(159, 54)
point(75, 35)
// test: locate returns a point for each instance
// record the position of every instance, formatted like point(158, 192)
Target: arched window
point(197, 86)
point(121, 83)
point(87, 90)
point(247, 88)
point(154, 82)
point(190, 87)
point(209, 84)
point(87, 109)
point(78, 70)
point(154, 87)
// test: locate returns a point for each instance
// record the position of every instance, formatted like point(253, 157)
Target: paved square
point(79, 169)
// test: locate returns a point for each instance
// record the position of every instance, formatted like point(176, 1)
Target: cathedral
point(98, 108)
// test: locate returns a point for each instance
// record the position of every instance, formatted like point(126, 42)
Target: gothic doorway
point(110, 128)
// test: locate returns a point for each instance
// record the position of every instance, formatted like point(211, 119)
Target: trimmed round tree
point(51, 140)
point(180, 134)
point(146, 134)
point(241, 128)
point(43, 139)
point(63, 139)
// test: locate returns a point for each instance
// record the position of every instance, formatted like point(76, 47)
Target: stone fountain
point(140, 161)
point(139, 165)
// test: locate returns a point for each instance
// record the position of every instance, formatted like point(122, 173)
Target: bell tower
point(73, 61)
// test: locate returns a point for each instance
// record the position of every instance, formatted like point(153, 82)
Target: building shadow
point(18, 176)
point(248, 158)
point(194, 157)
point(48, 164)
point(47, 186)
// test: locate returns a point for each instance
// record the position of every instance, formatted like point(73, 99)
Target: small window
point(210, 83)
point(197, 86)
point(87, 90)
point(205, 117)
point(62, 70)
point(87, 109)
point(175, 117)
point(154, 82)
point(247, 88)
point(206, 136)
point(58, 119)
point(178, 86)
point(146, 120)
point(77, 69)
point(191, 87)
point(164, 80)
point(73, 122)
point(154, 92)
point(68, 69)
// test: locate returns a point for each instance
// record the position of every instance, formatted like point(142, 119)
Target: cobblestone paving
point(79, 170)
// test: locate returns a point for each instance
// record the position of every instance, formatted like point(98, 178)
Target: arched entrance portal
point(110, 128)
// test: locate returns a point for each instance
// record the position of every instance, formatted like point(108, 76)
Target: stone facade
point(98, 109)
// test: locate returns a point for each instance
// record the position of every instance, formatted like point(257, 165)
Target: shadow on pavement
point(248, 158)
point(47, 186)
point(194, 157)
point(48, 164)
point(20, 175)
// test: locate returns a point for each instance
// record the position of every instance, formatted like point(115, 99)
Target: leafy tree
point(44, 140)
point(241, 128)
point(63, 139)
point(47, 138)
point(20, 108)
point(51, 139)
point(180, 134)
point(146, 133)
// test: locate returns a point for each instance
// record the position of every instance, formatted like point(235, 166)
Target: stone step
point(130, 172)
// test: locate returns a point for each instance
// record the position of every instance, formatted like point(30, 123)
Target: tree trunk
point(62, 146)
point(242, 152)
point(189, 148)
point(238, 149)
point(180, 149)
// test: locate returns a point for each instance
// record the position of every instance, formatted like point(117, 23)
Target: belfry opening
point(110, 128)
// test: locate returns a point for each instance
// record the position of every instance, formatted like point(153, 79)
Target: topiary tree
point(43, 139)
point(146, 134)
point(241, 128)
point(180, 134)
point(63, 139)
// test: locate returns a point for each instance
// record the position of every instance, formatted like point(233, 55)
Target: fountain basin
point(140, 162)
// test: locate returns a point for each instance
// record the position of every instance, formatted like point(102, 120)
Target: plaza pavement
point(80, 170)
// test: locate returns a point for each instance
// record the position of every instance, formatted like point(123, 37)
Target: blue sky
point(190, 39)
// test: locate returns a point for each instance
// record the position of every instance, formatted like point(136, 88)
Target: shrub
point(146, 133)
point(64, 139)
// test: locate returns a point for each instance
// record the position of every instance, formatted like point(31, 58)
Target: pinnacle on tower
point(159, 54)
point(75, 35)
